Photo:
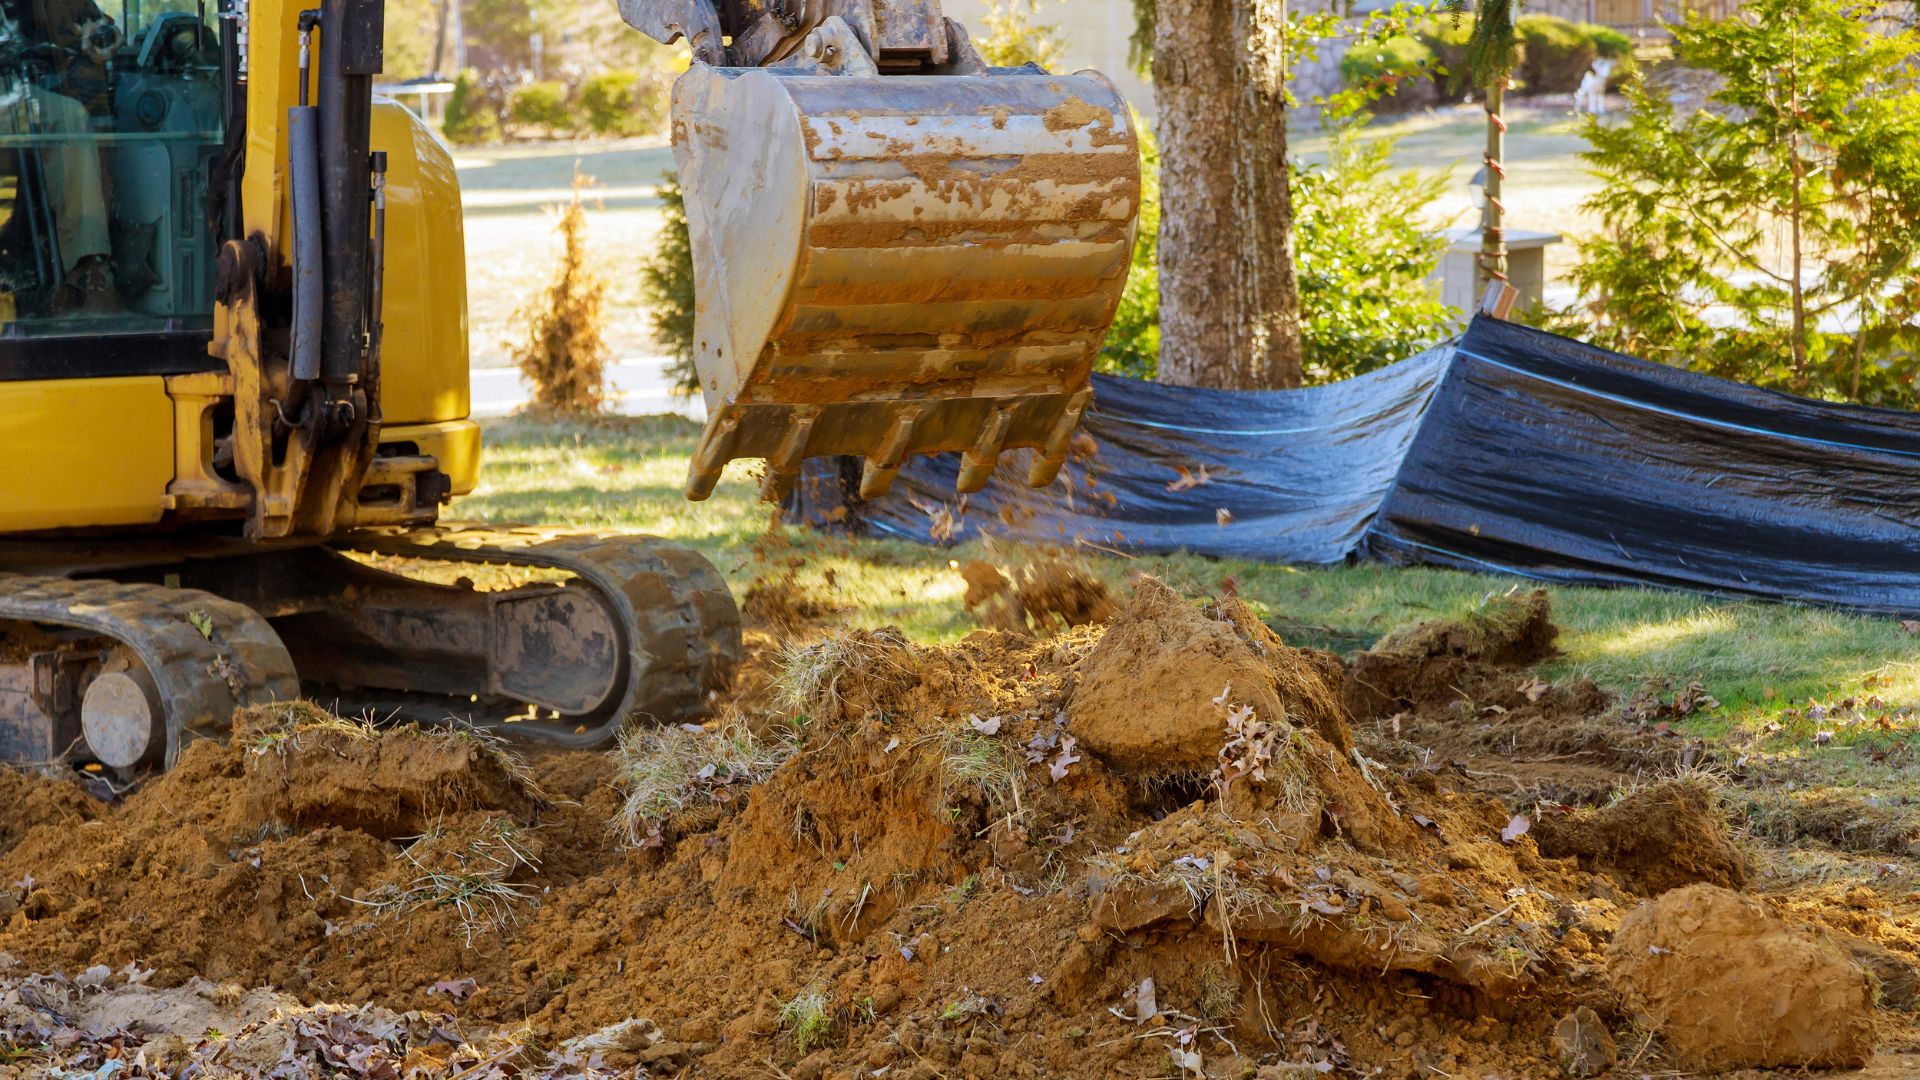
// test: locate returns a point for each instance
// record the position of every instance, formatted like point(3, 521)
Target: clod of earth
point(1426, 663)
point(1658, 838)
point(1583, 1044)
point(1727, 985)
point(1145, 696)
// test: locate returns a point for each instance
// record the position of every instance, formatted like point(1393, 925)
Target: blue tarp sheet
point(1508, 449)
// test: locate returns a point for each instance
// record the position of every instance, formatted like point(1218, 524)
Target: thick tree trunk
point(1229, 305)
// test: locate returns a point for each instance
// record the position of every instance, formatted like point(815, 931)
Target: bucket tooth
point(876, 477)
point(1047, 463)
point(977, 461)
point(783, 465)
point(715, 450)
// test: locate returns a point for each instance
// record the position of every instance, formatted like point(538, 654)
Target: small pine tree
point(1772, 235)
point(565, 356)
point(666, 283)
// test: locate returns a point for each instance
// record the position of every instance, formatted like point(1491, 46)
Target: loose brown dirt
point(1165, 844)
point(1730, 986)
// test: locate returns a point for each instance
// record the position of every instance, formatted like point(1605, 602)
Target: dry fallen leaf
point(1534, 689)
point(1515, 829)
point(989, 726)
point(1189, 478)
point(1911, 626)
point(457, 989)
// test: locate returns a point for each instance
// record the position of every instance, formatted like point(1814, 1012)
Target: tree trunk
point(1229, 305)
point(441, 19)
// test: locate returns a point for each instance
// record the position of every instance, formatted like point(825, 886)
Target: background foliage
point(1361, 253)
point(666, 283)
point(1808, 153)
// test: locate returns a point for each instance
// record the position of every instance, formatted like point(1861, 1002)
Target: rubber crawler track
point(684, 627)
point(202, 679)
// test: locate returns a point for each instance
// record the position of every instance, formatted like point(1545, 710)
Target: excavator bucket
point(888, 265)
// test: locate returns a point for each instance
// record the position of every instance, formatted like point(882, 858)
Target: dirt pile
point(304, 769)
point(1071, 856)
point(1727, 985)
point(1658, 838)
point(1431, 662)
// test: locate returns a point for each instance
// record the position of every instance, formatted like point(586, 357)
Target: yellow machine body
point(117, 452)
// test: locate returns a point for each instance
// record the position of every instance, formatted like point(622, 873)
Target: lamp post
point(1487, 185)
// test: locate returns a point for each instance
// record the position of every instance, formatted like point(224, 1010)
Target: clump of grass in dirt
point(808, 1018)
point(1512, 628)
point(813, 677)
point(669, 772)
point(1219, 994)
point(468, 871)
point(564, 356)
point(985, 764)
point(261, 728)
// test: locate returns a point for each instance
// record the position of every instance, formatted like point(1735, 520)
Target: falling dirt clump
point(305, 774)
point(1658, 838)
point(1045, 594)
point(1728, 986)
point(1428, 663)
point(785, 605)
point(1152, 693)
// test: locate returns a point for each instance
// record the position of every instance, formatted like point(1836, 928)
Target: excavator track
point(680, 622)
point(206, 656)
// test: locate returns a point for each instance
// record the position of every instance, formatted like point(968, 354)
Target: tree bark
point(1229, 304)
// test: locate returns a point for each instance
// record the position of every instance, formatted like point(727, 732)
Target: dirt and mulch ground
point(1131, 835)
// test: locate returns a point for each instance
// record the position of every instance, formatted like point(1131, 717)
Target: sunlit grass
point(1758, 659)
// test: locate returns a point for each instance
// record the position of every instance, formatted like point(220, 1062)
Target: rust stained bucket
point(899, 265)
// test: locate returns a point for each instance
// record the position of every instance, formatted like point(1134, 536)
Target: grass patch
point(808, 1018)
point(1758, 659)
point(467, 871)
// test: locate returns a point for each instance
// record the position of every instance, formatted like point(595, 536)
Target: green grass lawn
point(1760, 660)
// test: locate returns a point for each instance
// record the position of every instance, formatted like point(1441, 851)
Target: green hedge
point(543, 105)
point(1556, 54)
point(473, 113)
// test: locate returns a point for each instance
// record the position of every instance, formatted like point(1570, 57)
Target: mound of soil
point(1428, 663)
point(1658, 838)
point(1727, 985)
point(389, 785)
point(32, 801)
point(937, 872)
point(1154, 692)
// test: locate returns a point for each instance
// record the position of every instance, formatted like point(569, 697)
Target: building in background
point(1094, 32)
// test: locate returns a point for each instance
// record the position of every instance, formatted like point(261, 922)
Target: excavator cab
point(110, 127)
point(898, 249)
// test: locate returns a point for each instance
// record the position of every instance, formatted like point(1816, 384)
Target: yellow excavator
point(233, 353)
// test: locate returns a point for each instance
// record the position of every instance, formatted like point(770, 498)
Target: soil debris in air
point(1042, 594)
point(1156, 845)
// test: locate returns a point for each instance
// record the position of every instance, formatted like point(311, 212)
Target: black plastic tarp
point(1508, 449)
point(1545, 457)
